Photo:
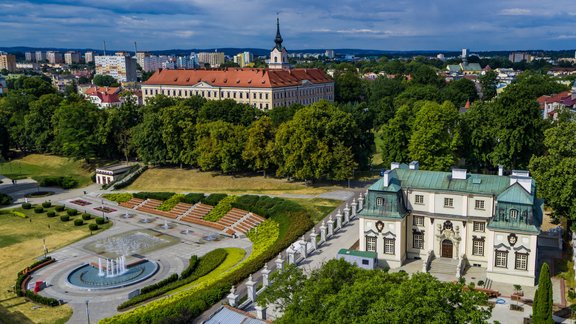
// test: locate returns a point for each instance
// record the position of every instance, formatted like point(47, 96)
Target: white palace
point(489, 221)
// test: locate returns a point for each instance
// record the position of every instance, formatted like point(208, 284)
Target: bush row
point(62, 182)
point(221, 209)
point(206, 264)
point(213, 199)
point(173, 277)
point(130, 178)
point(38, 210)
point(46, 204)
point(193, 198)
point(26, 205)
point(154, 195)
point(267, 206)
point(41, 299)
point(93, 227)
point(167, 205)
point(118, 197)
point(100, 220)
point(24, 274)
point(59, 208)
point(190, 268)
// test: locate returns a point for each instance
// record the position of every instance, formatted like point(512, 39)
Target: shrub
point(78, 222)
point(213, 199)
point(46, 204)
point(118, 197)
point(62, 182)
point(221, 209)
point(93, 227)
point(38, 210)
point(86, 216)
point(26, 205)
point(172, 278)
point(5, 199)
point(51, 213)
point(100, 220)
point(154, 195)
point(64, 218)
point(59, 208)
point(41, 299)
point(167, 205)
point(71, 212)
point(190, 268)
point(193, 198)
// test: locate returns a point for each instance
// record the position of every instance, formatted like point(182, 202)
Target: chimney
point(414, 165)
point(458, 174)
point(523, 178)
point(394, 165)
point(500, 170)
point(387, 177)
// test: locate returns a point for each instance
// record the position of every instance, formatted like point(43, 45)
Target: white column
point(360, 202)
point(265, 273)
point(347, 213)
point(323, 232)
point(260, 312)
point(291, 259)
point(354, 208)
point(279, 263)
point(313, 236)
point(250, 289)
point(338, 220)
point(232, 297)
point(304, 247)
point(330, 227)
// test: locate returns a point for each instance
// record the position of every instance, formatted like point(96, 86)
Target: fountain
point(186, 231)
point(114, 268)
point(166, 226)
point(114, 274)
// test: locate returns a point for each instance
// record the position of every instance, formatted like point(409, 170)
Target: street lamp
point(87, 312)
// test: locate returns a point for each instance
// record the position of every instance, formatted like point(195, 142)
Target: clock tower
point(278, 55)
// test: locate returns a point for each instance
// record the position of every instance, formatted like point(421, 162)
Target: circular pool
point(90, 277)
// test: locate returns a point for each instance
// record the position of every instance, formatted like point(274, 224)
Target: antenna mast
point(104, 48)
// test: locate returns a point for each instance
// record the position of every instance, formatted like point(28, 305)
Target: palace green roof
point(516, 194)
point(442, 181)
point(362, 254)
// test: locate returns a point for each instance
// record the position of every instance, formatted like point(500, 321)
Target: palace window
point(501, 259)
point(389, 246)
point(418, 220)
point(521, 261)
point(478, 247)
point(370, 244)
point(419, 199)
point(479, 226)
point(479, 204)
point(513, 213)
point(448, 202)
point(418, 241)
point(379, 201)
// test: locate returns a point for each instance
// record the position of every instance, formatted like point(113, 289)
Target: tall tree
point(459, 91)
point(38, 126)
point(348, 87)
point(436, 137)
point(104, 81)
point(542, 308)
point(175, 120)
point(259, 145)
point(147, 137)
point(219, 146)
point(229, 111)
point(395, 136)
point(488, 83)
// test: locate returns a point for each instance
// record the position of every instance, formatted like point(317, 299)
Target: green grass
point(317, 208)
point(40, 165)
point(377, 157)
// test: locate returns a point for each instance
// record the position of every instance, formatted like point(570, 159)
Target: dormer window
point(513, 213)
point(379, 201)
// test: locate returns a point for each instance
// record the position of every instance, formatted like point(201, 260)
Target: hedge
point(64, 218)
point(72, 212)
point(130, 178)
point(78, 222)
point(206, 264)
point(213, 199)
point(173, 277)
point(62, 182)
point(100, 220)
point(154, 195)
point(46, 204)
point(38, 210)
point(118, 197)
point(41, 299)
point(5, 199)
point(190, 268)
point(24, 274)
point(192, 198)
point(51, 213)
point(221, 209)
point(86, 216)
point(26, 205)
point(59, 208)
point(167, 205)
point(93, 227)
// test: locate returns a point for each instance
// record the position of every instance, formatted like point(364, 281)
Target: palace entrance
point(447, 249)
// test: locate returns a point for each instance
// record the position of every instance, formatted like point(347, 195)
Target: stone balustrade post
point(260, 312)
point(338, 220)
point(291, 252)
point(347, 213)
point(250, 287)
point(304, 247)
point(313, 237)
point(361, 202)
point(323, 232)
point(330, 227)
point(232, 297)
point(354, 208)
point(265, 273)
point(279, 263)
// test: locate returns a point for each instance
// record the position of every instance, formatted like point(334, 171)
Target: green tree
point(259, 145)
point(542, 308)
point(555, 171)
point(38, 124)
point(395, 136)
point(147, 137)
point(488, 83)
point(283, 114)
point(105, 81)
point(219, 146)
point(348, 87)
point(229, 111)
point(175, 120)
point(316, 143)
point(436, 137)
point(478, 135)
point(459, 91)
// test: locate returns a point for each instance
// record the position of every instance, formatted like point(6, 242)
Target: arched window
point(275, 59)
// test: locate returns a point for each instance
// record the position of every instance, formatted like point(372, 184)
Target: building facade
point(88, 57)
point(121, 67)
point(72, 57)
point(8, 62)
point(54, 57)
point(490, 221)
point(40, 56)
point(215, 59)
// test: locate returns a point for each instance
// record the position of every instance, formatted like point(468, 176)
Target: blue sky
point(367, 24)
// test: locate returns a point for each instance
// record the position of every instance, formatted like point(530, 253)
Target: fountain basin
point(87, 276)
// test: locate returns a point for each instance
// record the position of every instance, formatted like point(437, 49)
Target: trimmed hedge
point(192, 198)
point(213, 199)
point(41, 299)
point(71, 212)
point(93, 227)
point(51, 213)
point(38, 210)
point(46, 204)
point(205, 265)
point(130, 178)
point(190, 268)
point(221, 209)
point(78, 222)
point(118, 197)
point(154, 195)
point(100, 220)
point(173, 277)
point(5, 199)
point(64, 218)
point(26, 205)
point(86, 216)
point(59, 208)
point(25, 274)
point(62, 182)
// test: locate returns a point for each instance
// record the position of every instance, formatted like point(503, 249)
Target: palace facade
point(489, 221)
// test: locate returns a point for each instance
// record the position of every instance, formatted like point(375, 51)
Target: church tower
point(278, 55)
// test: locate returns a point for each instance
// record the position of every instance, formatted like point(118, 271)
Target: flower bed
point(105, 209)
point(81, 202)
point(221, 209)
point(168, 204)
point(118, 197)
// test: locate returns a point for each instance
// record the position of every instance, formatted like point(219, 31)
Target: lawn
point(35, 165)
point(377, 156)
point(21, 242)
point(317, 208)
point(182, 180)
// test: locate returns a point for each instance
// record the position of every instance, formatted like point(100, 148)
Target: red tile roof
point(236, 77)
point(107, 90)
point(559, 97)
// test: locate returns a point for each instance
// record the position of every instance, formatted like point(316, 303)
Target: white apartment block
point(122, 68)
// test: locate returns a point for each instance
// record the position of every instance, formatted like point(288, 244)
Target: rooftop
point(363, 254)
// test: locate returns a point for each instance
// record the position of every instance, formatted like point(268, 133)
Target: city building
point(28, 56)
point(111, 173)
point(215, 59)
point(71, 57)
point(489, 221)
point(120, 66)
point(279, 55)
point(40, 56)
point(260, 88)
point(553, 104)
point(54, 57)
point(243, 59)
point(7, 61)
point(519, 57)
point(88, 57)
point(3, 85)
point(329, 54)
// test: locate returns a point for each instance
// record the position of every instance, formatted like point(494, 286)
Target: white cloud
point(515, 12)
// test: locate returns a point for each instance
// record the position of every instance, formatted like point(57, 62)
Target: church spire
point(278, 40)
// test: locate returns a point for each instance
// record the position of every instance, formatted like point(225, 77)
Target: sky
point(305, 24)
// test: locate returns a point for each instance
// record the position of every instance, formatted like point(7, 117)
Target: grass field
point(46, 165)
point(20, 244)
point(181, 180)
point(377, 156)
point(318, 208)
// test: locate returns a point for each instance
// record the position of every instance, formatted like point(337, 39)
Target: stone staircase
point(443, 266)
